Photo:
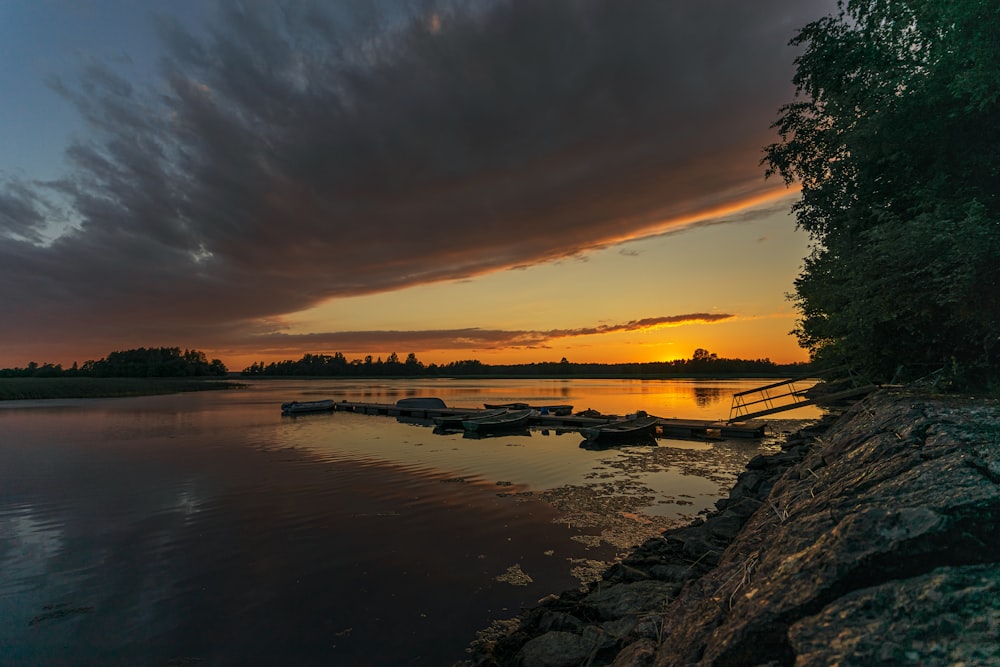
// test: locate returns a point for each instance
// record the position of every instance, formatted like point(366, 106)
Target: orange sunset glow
point(406, 187)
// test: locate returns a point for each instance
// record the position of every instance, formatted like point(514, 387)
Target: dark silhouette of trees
point(157, 362)
point(174, 362)
point(412, 365)
point(141, 362)
point(895, 140)
point(703, 356)
point(703, 363)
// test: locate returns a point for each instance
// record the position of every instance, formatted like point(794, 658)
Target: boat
point(415, 421)
point(455, 421)
point(420, 402)
point(300, 407)
point(508, 421)
point(559, 410)
point(637, 429)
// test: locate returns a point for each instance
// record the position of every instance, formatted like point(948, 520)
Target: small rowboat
point(300, 407)
point(560, 410)
point(557, 410)
point(625, 430)
point(420, 402)
point(508, 421)
point(455, 421)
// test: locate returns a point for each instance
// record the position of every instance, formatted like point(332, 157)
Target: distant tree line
point(141, 362)
point(337, 365)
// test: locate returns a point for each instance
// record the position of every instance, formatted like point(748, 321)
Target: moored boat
point(624, 430)
point(420, 402)
point(455, 421)
point(559, 410)
point(300, 407)
point(509, 420)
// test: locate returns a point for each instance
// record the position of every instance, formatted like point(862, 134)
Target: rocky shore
point(871, 538)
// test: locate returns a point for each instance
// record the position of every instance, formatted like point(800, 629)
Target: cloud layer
point(473, 338)
point(294, 153)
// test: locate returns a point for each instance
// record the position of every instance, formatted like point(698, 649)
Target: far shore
point(34, 388)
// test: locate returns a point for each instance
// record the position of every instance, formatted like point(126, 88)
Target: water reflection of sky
point(27, 544)
point(683, 399)
point(208, 526)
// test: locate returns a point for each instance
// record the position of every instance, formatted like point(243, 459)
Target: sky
point(479, 179)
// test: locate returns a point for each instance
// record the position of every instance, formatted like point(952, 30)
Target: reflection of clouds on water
point(188, 500)
point(27, 544)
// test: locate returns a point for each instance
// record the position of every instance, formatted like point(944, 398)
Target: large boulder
point(950, 616)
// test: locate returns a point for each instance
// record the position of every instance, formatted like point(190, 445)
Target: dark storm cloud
point(21, 214)
point(294, 152)
point(472, 338)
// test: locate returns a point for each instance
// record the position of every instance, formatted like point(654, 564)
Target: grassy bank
point(85, 387)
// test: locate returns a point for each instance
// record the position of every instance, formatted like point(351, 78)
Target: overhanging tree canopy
point(894, 137)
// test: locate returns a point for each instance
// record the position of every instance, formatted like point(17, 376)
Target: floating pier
point(665, 427)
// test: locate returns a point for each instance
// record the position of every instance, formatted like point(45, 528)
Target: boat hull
point(558, 410)
point(509, 421)
point(418, 402)
point(630, 430)
point(456, 421)
point(303, 407)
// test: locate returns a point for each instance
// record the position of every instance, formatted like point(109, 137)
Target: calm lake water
point(207, 529)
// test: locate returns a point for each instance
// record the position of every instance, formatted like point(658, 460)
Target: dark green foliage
point(895, 140)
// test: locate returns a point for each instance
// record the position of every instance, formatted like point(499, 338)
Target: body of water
point(208, 529)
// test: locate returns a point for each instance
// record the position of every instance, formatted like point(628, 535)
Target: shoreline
point(538, 376)
point(44, 388)
point(851, 545)
point(31, 388)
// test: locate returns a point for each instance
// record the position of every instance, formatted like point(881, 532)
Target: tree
point(412, 365)
point(154, 362)
point(895, 140)
point(703, 355)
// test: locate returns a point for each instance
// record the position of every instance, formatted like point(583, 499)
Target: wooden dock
point(666, 427)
